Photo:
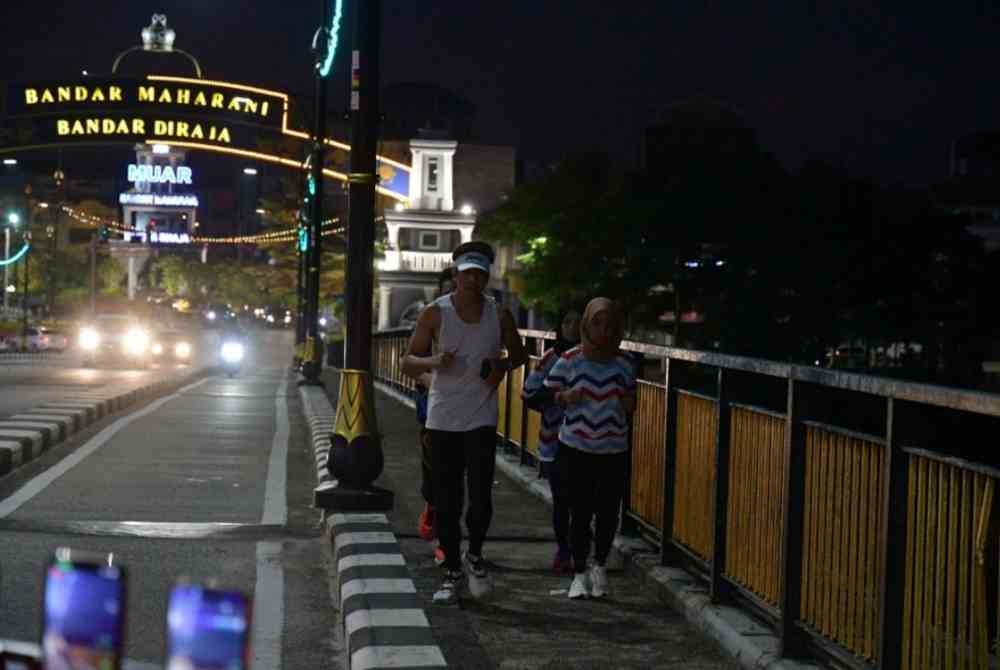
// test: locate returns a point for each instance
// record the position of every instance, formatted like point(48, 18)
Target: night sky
point(881, 92)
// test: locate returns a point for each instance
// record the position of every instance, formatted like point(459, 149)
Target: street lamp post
point(24, 295)
point(356, 458)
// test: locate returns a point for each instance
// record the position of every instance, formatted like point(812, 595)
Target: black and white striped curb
point(22, 357)
point(320, 416)
point(24, 436)
point(384, 622)
point(385, 625)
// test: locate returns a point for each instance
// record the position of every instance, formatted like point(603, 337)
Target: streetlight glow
point(261, 211)
point(13, 218)
point(250, 171)
point(10, 161)
point(467, 210)
point(43, 205)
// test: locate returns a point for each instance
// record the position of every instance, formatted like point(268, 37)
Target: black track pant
point(457, 457)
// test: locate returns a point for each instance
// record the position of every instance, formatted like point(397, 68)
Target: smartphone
point(208, 628)
point(83, 612)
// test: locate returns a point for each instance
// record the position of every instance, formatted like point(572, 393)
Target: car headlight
point(135, 341)
point(211, 316)
point(157, 349)
point(232, 352)
point(182, 350)
point(89, 339)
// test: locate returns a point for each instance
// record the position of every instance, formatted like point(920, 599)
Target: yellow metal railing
point(648, 425)
point(756, 501)
point(697, 427)
point(942, 598)
point(842, 554)
point(945, 621)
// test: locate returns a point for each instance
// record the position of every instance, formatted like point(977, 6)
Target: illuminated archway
point(217, 116)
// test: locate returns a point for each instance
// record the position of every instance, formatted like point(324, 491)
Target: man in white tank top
point(464, 331)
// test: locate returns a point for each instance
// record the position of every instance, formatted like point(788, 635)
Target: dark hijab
point(561, 344)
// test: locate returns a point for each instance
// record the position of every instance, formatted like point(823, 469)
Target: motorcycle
point(232, 353)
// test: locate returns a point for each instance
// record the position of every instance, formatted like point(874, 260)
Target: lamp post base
point(334, 497)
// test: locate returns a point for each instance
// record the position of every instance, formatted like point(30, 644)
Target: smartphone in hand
point(207, 628)
point(83, 612)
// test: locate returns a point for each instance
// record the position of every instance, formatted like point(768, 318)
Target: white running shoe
point(579, 588)
point(598, 581)
point(450, 586)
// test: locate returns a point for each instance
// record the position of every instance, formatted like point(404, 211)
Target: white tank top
point(459, 399)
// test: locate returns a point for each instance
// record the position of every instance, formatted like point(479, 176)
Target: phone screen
point(82, 621)
point(207, 629)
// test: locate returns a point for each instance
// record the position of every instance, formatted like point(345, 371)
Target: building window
point(429, 241)
point(432, 174)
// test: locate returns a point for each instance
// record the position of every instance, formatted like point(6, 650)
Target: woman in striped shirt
point(595, 384)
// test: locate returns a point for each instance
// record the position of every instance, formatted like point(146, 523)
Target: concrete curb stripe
point(25, 437)
point(344, 539)
point(11, 456)
point(53, 431)
point(414, 618)
point(339, 519)
point(368, 586)
point(426, 656)
point(92, 411)
point(348, 562)
point(77, 417)
point(67, 422)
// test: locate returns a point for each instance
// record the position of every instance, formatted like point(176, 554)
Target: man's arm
point(517, 355)
point(416, 360)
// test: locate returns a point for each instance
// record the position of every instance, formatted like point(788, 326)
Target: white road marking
point(42, 481)
point(340, 519)
point(268, 607)
point(275, 501)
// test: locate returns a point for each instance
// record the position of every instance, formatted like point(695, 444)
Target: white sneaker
point(579, 588)
point(450, 586)
point(599, 581)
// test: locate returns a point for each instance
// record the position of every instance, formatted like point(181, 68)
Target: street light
point(10, 161)
point(250, 171)
point(13, 218)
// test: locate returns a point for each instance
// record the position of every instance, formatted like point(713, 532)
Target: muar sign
point(159, 174)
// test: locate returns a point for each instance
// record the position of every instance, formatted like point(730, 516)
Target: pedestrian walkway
point(529, 622)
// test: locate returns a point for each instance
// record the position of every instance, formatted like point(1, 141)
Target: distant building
point(972, 187)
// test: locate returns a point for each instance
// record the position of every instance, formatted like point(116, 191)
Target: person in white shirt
point(464, 332)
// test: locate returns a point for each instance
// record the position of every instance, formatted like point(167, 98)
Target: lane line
point(268, 607)
point(275, 501)
point(43, 480)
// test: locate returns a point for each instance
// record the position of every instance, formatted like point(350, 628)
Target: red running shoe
point(425, 525)
point(438, 556)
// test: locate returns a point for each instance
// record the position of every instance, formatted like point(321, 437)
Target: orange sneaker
point(425, 525)
point(438, 556)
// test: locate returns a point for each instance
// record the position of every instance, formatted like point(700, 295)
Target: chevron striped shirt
point(597, 424)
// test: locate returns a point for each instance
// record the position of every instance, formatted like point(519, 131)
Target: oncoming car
point(115, 338)
point(171, 346)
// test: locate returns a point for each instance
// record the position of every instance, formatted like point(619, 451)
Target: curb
point(383, 618)
point(751, 644)
point(28, 434)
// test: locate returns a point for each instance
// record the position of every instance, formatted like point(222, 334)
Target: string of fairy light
point(270, 237)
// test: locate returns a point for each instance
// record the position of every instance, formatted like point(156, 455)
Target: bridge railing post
point(800, 397)
point(719, 588)
point(893, 539)
point(671, 380)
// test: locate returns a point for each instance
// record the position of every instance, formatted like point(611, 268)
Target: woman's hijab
point(596, 345)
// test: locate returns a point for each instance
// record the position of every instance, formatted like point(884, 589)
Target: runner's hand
point(444, 359)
